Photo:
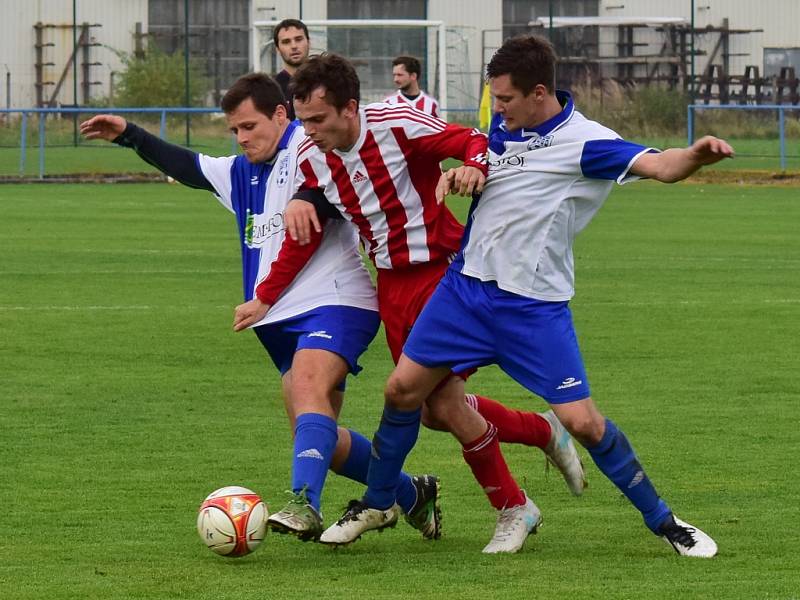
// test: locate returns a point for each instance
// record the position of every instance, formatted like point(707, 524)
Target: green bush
point(158, 79)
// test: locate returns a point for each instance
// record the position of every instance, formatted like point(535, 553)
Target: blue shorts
point(470, 323)
point(343, 330)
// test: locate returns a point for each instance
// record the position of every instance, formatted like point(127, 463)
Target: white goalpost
point(263, 56)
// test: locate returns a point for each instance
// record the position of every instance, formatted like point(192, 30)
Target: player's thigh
point(411, 383)
point(539, 348)
point(455, 328)
point(322, 369)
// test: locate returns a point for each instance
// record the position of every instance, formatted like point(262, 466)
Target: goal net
point(370, 44)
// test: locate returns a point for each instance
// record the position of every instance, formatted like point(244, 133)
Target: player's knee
point(400, 395)
point(432, 419)
point(311, 394)
point(587, 428)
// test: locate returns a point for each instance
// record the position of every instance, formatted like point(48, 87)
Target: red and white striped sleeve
point(432, 136)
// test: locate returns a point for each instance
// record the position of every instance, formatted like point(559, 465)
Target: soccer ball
point(232, 521)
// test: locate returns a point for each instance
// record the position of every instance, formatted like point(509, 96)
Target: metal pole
point(42, 117)
point(782, 134)
point(691, 52)
point(186, 65)
point(690, 124)
point(23, 144)
point(550, 32)
point(162, 131)
point(74, 70)
point(443, 70)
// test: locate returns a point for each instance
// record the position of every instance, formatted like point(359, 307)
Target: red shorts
point(402, 294)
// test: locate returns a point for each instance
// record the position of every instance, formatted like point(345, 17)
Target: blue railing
point(781, 108)
point(43, 112)
point(162, 111)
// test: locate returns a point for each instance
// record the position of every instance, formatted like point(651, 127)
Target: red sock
point(491, 471)
point(513, 426)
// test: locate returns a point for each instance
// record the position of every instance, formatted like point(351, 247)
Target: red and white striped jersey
point(423, 102)
point(385, 184)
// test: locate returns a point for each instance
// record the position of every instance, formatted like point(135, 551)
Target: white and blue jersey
point(544, 186)
point(257, 194)
point(504, 300)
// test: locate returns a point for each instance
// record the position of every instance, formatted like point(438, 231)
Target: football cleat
point(297, 518)
point(687, 540)
point(357, 519)
point(514, 525)
point(561, 453)
point(426, 514)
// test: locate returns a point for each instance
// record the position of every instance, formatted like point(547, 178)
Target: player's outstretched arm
point(103, 127)
point(675, 164)
point(177, 162)
point(464, 180)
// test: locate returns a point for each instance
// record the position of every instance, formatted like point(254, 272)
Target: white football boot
point(561, 453)
point(357, 519)
point(514, 525)
point(686, 539)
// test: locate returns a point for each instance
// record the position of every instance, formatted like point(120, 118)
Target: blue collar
point(499, 135)
point(283, 143)
point(287, 135)
point(553, 123)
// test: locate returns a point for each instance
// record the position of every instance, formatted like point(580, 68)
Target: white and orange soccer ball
point(232, 521)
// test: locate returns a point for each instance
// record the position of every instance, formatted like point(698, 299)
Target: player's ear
point(540, 92)
point(350, 109)
point(281, 113)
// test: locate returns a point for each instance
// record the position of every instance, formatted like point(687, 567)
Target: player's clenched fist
point(103, 127)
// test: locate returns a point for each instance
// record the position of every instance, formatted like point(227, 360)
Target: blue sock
point(616, 459)
point(315, 438)
point(394, 439)
point(356, 466)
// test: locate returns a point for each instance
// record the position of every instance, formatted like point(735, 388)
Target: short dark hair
point(286, 24)
point(262, 89)
point(411, 64)
point(529, 60)
point(331, 71)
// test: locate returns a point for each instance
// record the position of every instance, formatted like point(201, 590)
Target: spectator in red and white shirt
point(406, 72)
point(378, 167)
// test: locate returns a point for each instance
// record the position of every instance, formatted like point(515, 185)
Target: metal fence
point(39, 143)
point(781, 125)
point(42, 114)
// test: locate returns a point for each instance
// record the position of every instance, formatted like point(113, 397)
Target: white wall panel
point(779, 19)
point(17, 43)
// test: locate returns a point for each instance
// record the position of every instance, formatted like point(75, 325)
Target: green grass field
point(126, 398)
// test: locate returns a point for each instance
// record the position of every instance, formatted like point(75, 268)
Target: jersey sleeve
point(291, 259)
point(177, 162)
point(455, 141)
point(611, 159)
point(218, 172)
